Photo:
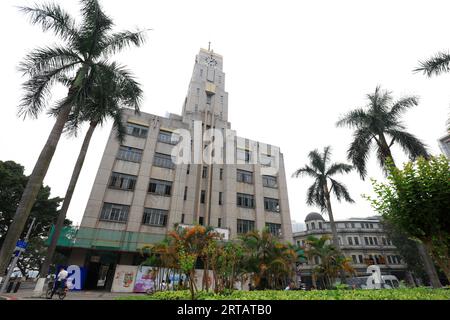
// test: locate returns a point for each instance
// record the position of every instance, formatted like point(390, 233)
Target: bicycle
point(60, 292)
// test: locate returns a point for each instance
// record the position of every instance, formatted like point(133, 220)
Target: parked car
point(389, 282)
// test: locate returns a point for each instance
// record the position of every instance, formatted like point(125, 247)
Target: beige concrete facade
point(205, 106)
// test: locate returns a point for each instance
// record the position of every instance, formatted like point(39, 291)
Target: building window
point(129, 154)
point(371, 241)
point(205, 172)
point(203, 196)
point(220, 79)
point(360, 258)
point(114, 212)
point(245, 200)
point(271, 205)
point(274, 228)
point(244, 176)
point(266, 160)
point(320, 225)
point(220, 173)
point(185, 193)
point(220, 198)
point(375, 240)
point(155, 217)
point(122, 181)
point(313, 226)
point(167, 137)
point(219, 223)
point(188, 170)
point(354, 258)
point(136, 130)
point(350, 241)
point(198, 91)
point(353, 225)
point(200, 220)
point(182, 218)
point(201, 73)
point(356, 240)
point(270, 181)
point(196, 107)
point(366, 241)
point(244, 226)
point(243, 155)
point(160, 187)
point(163, 160)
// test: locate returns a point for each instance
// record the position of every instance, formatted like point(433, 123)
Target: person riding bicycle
point(60, 281)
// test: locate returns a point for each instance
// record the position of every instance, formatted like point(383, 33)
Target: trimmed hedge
point(395, 294)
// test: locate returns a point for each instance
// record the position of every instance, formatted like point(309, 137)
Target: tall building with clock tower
point(140, 193)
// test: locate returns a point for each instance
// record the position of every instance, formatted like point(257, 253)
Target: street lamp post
point(13, 264)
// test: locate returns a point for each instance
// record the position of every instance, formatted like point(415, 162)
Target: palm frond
point(305, 171)
point(45, 59)
point(37, 91)
point(411, 145)
point(340, 191)
point(436, 65)
point(94, 28)
point(317, 160)
point(354, 119)
point(358, 152)
point(118, 41)
point(401, 106)
point(338, 168)
point(52, 17)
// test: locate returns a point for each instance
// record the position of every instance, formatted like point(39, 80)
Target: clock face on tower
point(210, 61)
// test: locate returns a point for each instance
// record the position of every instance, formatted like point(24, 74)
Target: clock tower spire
point(207, 100)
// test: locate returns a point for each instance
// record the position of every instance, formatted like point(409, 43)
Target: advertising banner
point(145, 279)
point(124, 278)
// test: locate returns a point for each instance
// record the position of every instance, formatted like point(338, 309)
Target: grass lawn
point(396, 294)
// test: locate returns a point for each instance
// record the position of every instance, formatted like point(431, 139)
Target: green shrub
point(396, 294)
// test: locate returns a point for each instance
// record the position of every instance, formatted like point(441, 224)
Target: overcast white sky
point(297, 65)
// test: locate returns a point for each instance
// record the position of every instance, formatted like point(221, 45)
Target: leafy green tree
point(375, 125)
point(417, 201)
point(45, 210)
point(407, 248)
point(319, 193)
point(84, 55)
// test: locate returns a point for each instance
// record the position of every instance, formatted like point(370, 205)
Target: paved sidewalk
point(27, 294)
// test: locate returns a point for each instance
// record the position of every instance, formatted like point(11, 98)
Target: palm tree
point(375, 124)
point(86, 48)
point(379, 120)
point(331, 261)
point(319, 193)
point(108, 97)
point(436, 65)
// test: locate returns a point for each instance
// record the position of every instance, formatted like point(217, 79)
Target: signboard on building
point(124, 278)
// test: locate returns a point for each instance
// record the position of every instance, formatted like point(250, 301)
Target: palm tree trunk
point(32, 189)
point(67, 199)
point(430, 269)
point(333, 227)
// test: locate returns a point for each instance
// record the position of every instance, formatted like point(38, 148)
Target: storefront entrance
point(100, 267)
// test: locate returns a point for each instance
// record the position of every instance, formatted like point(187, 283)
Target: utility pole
point(16, 258)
